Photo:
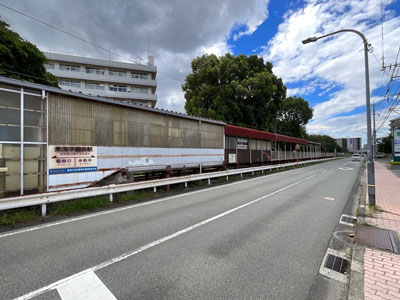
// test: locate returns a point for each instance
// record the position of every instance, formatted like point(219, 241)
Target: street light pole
point(370, 163)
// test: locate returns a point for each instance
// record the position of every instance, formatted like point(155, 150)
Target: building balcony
point(111, 94)
point(102, 78)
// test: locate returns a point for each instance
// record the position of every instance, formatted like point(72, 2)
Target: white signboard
point(242, 144)
point(72, 159)
point(396, 141)
point(232, 158)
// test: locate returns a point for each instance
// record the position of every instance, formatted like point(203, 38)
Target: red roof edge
point(261, 135)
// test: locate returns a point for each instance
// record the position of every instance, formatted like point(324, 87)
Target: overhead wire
point(83, 40)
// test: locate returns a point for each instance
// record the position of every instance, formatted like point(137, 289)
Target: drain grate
point(337, 263)
point(348, 220)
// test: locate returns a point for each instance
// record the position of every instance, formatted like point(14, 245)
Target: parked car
point(380, 155)
point(356, 157)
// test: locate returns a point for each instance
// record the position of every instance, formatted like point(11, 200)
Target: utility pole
point(373, 114)
point(370, 163)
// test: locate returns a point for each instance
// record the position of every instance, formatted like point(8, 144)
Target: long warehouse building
point(52, 139)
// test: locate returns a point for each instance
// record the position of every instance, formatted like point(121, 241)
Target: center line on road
point(34, 228)
point(126, 255)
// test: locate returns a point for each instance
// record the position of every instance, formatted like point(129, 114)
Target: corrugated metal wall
point(74, 121)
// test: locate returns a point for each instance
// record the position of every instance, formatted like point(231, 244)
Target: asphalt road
point(262, 238)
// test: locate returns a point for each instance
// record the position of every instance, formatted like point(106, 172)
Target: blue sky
point(329, 73)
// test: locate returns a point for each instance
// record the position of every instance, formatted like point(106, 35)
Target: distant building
point(126, 82)
point(351, 144)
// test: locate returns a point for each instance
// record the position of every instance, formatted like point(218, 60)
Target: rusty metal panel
point(74, 121)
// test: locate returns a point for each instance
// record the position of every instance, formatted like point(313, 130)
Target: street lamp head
point(310, 40)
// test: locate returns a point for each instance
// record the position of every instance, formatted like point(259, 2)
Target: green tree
point(239, 90)
point(384, 144)
point(327, 142)
point(21, 59)
point(294, 114)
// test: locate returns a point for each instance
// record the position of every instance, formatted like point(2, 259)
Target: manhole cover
point(336, 263)
point(347, 219)
point(375, 237)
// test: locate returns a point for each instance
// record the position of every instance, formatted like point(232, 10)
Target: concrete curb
point(356, 283)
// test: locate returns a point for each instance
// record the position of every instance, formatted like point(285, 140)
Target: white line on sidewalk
point(86, 287)
point(126, 255)
point(134, 206)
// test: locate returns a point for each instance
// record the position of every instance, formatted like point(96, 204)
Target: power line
point(83, 40)
point(27, 75)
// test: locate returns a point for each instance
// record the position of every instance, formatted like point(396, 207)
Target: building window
point(89, 70)
point(94, 86)
point(118, 88)
point(139, 75)
point(49, 66)
point(70, 68)
point(71, 83)
point(117, 73)
point(140, 90)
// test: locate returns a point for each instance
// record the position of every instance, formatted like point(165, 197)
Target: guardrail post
point(252, 173)
point(185, 184)
point(201, 168)
point(155, 189)
point(209, 180)
point(110, 191)
point(227, 177)
point(44, 208)
point(241, 175)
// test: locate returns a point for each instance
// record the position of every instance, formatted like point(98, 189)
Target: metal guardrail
point(51, 197)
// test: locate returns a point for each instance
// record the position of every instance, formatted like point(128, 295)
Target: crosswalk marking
point(88, 287)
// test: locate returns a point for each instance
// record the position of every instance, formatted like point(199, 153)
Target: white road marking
point(126, 255)
point(346, 169)
point(86, 287)
point(329, 198)
point(134, 206)
point(324, 171)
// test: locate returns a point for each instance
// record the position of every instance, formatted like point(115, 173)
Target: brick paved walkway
point(387, 198)
point(382, 269)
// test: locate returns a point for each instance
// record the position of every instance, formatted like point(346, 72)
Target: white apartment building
point(127, 82)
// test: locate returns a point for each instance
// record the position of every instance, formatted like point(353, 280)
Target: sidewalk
point(382, 268)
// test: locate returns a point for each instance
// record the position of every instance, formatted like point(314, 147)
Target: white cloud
point(337, 61)
point(179, 31)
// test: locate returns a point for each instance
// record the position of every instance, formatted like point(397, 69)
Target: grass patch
point(394, 163)
point(133, 196)
point(14, 216)
point(357, 212)
point(374, 209)
point(69, 207)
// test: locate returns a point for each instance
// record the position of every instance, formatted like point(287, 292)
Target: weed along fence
point(51, 197)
